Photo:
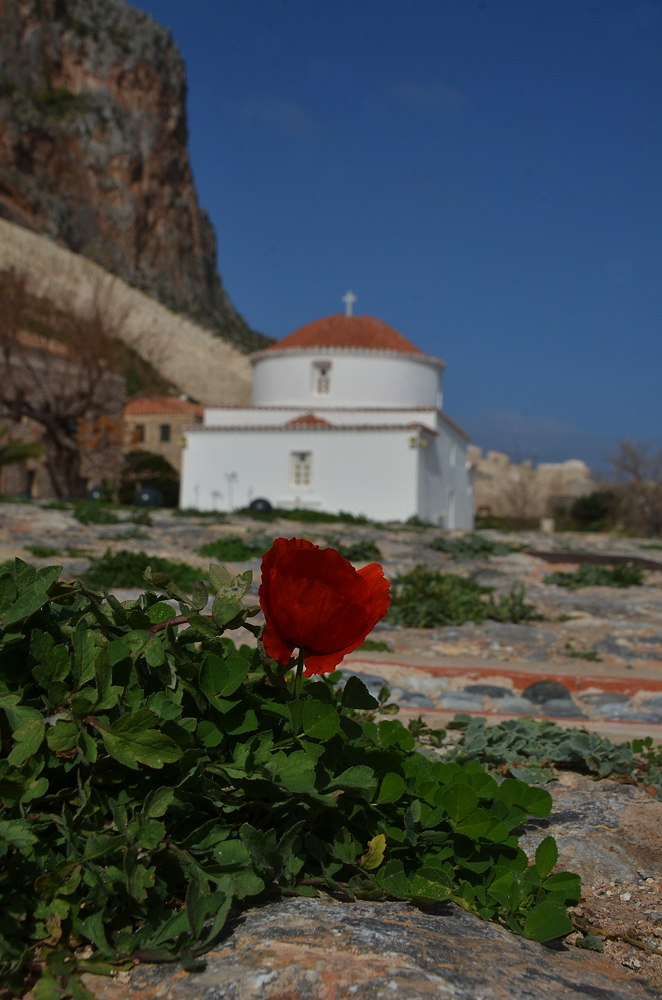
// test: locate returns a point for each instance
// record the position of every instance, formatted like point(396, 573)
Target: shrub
point(151, 777)
point(42, 551)
point(149, 469)
point(94, 512)
point(364, 551)
point(304, 515)
point(426, 598)
point(236, 549)
point(473, 546)
point(597, 511)
point(588, 575)
point(127, 569)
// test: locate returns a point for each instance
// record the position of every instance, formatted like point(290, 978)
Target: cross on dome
point(349, 298)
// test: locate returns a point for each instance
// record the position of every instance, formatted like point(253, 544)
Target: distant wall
point(521, 490)
point(207, 368)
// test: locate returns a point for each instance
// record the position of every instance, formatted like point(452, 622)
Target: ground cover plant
point(127, 569)
point(588, 575)
point(533, 750)
point(236, 549)
point(473, 546)
point(153, 776)
point(427, 598)
point(363, 551)
point(42, 551)
point(94, 512)
point(304, 515)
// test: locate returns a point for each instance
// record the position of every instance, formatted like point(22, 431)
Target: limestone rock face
point(93, 150)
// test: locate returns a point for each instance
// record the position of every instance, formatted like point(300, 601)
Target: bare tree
point(638, 478)
point(67, 386)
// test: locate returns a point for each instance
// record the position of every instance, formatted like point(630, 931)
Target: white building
point(346, 416)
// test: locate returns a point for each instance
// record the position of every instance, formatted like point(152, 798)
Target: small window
point(138, 434)
point(322, 378)
point(453, 452)
point(165, 432)
point(301, 468)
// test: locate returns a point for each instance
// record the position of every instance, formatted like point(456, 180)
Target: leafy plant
point(152, 775)
point(581, 654)
point(206, 515)
point(364, 551)
point(529, 749)
point(127, 569)
point(588, 575)
point(375, 646)
point(94, 512)
point(426, 598)
point(236, 549)
point(473, 546)
point(42, 551)
point(61, 101)
point(304, 515)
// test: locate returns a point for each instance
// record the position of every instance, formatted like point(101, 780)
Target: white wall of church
point(355, 379)
point(371, 472)
point(445, 486)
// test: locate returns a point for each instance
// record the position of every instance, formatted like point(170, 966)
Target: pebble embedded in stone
point(545, 690)
point(489, 690)
point(517, 706)
point(562, 707)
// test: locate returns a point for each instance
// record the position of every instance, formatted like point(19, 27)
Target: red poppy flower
point(315, 600)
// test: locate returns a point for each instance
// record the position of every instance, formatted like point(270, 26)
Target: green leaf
point(392, 787)
point(161, 612)
point(359, 776)
point(320, 721)
point(224, 609)
point(196, 910)
point(23, 608)
point(132, 740)
point(567, 882)
point(18, 833)
point(430, 883)
point(62, 736)
point(547, 921)
point(356, 695)
point(199, 595)
point(221, 678)
point(157, 802)
point(219, 578)
point(28, 740)
point(297, 772)
point(459, 800)
point(547, 854)
point(475, 824)
point(394, 880)
point(154, 652)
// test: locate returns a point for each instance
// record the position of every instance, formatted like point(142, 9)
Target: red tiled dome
point(348, 331)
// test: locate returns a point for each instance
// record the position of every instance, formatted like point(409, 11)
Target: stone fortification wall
point(505, 489)
point(205, 367)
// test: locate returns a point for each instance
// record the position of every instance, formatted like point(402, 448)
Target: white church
point(346, 416)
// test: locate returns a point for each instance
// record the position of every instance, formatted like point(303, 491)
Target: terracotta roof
point(347, 331)
point(166, 405)
point(307, 420)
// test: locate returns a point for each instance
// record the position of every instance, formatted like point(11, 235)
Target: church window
point(322, 378)
point(165, 432)
point(138, 435)
point(301, 468)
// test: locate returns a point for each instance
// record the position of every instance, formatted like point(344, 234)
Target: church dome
point(349, 332)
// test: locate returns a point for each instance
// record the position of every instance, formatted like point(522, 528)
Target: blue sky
point(485, 175)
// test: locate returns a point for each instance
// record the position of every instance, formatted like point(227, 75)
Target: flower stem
point(299, 674)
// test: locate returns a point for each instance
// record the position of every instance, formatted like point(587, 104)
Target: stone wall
point(205, 367)
point(504, 489)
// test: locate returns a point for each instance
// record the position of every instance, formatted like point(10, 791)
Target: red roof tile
point(166, 405)
point(307, 420)
point(347, 331)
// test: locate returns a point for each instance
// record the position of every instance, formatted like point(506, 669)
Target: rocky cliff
point(93, 150)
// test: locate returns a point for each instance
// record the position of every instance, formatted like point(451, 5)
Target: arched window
point(321, 378)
